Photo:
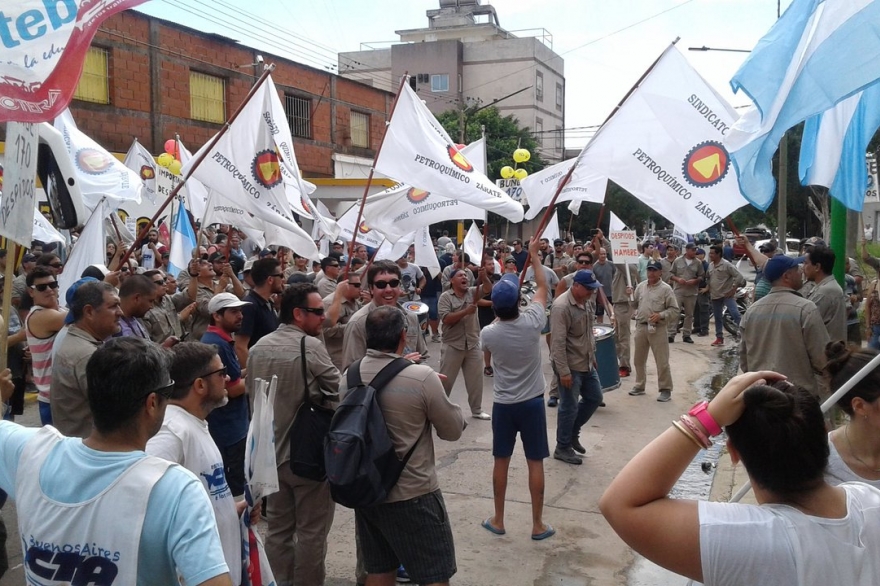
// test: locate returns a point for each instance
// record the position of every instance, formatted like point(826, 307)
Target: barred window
point(94, 84)
point(207, 95)
point(539, 86)
point(360, 129)
point(299, 115)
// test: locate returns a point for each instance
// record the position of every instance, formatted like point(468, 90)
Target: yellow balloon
point(165, 160)
point(507, 172)
point(175, 166)
point(521, 155)
point(520, 174)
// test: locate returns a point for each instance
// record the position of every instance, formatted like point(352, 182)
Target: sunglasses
point(313, 310)
point(43, 286)
point(585, 262)
point(162, 282)
point(164, 391)
point(220, 371)
point(393, 283)
point(278, 275)
point(55, 265)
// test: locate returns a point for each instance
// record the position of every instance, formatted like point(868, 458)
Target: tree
point(503, 136)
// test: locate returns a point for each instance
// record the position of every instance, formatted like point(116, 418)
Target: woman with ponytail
point(855, 446)
point(803, 532)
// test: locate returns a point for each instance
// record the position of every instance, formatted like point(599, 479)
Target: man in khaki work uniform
point(623, 310)
point(301, 512)
point(460, 342)
point(655, 306)
point(685, 276)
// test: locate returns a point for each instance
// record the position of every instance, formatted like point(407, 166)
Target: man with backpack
point(301, 512)
point(410, 526)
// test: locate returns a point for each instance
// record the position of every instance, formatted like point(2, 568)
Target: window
point(560, 96)
point(539, 132)
point(360, 129)
point(440, 83)
point(299, 115)
point(94, 85)
point(207, 97)
point(423, 77)
point(560, 143)
point(539, 86)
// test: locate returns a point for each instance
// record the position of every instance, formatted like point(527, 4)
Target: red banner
point(44, 44)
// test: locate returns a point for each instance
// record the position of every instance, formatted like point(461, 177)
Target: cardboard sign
point(624, 246)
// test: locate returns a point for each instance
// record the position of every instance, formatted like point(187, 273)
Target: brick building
point(150, 78)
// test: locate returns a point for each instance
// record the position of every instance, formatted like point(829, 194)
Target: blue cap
point(586, 278)
point(779, 265)
point(505, 293)
point(71, 293)
point(655, 265)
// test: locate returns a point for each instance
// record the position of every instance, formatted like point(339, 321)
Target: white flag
point(585, 184)
point(98, 173)
point(614, 223)
point(551, 231)
point(473, 244)
point(245, 166)
point(418, 151)
point(663, 145)
point(221, 210)
point(44, 231)
point(139, 160)
point(89, 249)
point(402, 209)
point(196, 193)
point(365, 234)
point(425, 253)
point(386, 250)
point(679, 234)
point(574, 206)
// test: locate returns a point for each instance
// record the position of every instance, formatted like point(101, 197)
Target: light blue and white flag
point(183, 240)
point(818, 53)
point(834, 144)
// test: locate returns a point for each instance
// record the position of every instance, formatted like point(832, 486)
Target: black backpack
point(362, 466)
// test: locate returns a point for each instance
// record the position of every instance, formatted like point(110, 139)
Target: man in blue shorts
point(515, 343)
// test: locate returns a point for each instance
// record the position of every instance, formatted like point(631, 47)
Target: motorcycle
point(743, 301)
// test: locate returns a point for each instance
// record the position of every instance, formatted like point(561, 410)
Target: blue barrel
point(606, 357)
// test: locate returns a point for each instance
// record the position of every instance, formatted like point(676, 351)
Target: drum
point(606, 357)
point(420, 310)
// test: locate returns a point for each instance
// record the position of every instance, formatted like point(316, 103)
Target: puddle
point(696, 482)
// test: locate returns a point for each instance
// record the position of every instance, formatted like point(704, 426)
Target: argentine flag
point(183, 241)
point(817, 54)
point(834, 144)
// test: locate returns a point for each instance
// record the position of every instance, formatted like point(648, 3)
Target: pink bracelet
point(701, 412)
point(698, 433)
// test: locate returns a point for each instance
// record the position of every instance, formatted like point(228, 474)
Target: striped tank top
point(41, 357)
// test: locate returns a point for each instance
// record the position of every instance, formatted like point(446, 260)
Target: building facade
point(150, 79)
point(458, 61)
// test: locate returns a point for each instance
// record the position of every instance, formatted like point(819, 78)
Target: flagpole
point(198, 161)
point(360, 213)
point(192, 220)
point(565, 180)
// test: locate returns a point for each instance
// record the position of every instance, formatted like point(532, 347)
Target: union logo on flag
point(305, 204)
point(266, 169)
point(459, 159)
point(363, 228)
point(706, 164)
point(415, 195)
point(147, 172)
point(93, 161)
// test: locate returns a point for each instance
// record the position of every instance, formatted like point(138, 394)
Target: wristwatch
point(701, 412)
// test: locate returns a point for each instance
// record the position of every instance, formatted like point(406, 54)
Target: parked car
point(758, 233)
point(793, 246)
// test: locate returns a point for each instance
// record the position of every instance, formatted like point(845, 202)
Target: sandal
point(488, 371)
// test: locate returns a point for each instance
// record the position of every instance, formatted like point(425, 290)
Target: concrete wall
point(440, 58)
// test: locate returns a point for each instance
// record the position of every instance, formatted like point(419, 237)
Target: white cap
point(224, 301)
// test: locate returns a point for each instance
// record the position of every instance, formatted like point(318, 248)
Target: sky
point(606, 46)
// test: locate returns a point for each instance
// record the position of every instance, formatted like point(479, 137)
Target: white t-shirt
point(184, 439)
point(148, 257)
point(838, 472)
point(778, 545)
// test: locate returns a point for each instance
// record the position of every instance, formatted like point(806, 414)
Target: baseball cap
point(779, 265)
point(217, 256)
point(71, 293)
point(224, 301)
point(450, 247)
point(690, 246)
point(655, 265)
point(266, 252)
point(586, 278)
point(505, 293)
point(558, 242)
point(28, 258)
point(248, 265)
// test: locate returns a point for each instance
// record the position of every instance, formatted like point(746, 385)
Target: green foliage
point(503, 136)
